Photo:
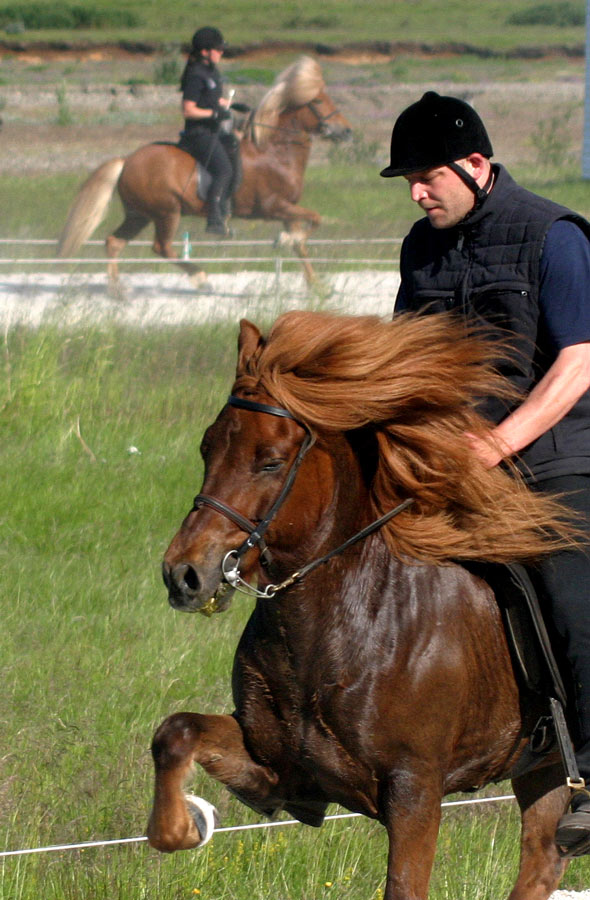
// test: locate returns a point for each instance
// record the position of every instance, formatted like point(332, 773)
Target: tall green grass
point(92, 657)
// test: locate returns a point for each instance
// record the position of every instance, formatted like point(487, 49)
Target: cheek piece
point(480, 192)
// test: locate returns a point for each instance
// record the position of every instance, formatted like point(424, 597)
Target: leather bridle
point(230, 565)
point(257, 531)
point(313, 106)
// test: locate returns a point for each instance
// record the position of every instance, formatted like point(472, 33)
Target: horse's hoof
point(204, 815)
point(200, 283)
point(116, 291)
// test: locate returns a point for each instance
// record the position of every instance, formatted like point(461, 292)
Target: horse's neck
point(291, 137)
point(332, 504)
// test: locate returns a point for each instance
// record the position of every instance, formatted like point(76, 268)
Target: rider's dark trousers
point(565, 579)
point(208, 148)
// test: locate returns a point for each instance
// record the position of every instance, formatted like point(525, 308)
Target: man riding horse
point(505, 258)
point(205, 136)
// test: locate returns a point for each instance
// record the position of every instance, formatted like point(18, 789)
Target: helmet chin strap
point(480, 192)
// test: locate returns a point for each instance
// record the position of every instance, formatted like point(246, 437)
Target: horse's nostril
point(191, 579)
point(182, 577)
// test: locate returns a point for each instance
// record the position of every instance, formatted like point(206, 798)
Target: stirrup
point(576, 789)
point(583, 846)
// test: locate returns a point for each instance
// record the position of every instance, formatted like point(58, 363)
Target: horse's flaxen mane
point(417, 381)
point(300, 83)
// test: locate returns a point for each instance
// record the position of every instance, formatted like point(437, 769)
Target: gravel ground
point(570, 895)
point(152, 300)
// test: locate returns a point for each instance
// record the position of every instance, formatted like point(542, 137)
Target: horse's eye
point(273, 465)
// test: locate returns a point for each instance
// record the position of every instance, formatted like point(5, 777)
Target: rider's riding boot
point(226, 211)
point(225, 208)
point(573, 829)
point(215, 218)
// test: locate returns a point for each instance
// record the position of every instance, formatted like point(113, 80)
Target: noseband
point(313, 105)
point(230, 566)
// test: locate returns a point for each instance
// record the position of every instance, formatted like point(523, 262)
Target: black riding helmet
point(435, 131)
point(208, 38)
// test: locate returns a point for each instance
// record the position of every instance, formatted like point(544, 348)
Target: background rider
point(204, 109)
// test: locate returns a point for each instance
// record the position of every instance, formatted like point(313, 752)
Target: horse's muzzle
point(338, 135)
point(187, 593)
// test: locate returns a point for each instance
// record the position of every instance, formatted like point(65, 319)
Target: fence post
point(279, 269)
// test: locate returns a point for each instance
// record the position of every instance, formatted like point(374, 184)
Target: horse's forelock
point(300, 83)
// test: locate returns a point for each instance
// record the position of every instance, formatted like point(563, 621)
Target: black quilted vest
point(488, 269)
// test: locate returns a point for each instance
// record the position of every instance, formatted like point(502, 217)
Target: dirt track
point(161, 300)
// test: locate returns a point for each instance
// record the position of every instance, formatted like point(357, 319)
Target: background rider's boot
point(215, 220)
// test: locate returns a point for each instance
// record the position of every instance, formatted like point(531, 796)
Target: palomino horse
point(158, 182)
point(377, 677)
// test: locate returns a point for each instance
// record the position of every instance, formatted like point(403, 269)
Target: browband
point(253, 405)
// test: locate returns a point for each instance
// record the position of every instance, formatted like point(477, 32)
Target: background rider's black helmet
point(207, 38)
point(435, 131)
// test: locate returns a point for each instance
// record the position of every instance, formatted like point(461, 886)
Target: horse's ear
point(249, 340)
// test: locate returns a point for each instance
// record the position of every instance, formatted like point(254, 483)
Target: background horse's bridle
point(256, 532)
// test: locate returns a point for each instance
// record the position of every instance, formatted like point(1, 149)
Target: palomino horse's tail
point(89, 207)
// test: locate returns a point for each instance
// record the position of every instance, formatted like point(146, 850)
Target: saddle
point(204, 178)
point(534, 661)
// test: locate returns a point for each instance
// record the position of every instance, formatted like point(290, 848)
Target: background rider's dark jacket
point(488, 267)
point(202, 83)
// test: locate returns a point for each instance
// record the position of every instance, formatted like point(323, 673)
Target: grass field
point(336, 21)
point(92, 657)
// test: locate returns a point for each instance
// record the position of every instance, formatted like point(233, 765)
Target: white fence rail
point(280, 824)
point(188, 245)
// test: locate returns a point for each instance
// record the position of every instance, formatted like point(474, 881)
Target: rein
point(312, 105)
point(230, 565)
point(233, 577)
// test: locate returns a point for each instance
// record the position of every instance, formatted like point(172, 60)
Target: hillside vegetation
point(506, 26)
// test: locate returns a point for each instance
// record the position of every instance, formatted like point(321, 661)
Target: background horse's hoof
point(200, 283)
point(204, 815)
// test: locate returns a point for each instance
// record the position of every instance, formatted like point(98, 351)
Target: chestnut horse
point(158, 182)
point(377, 677)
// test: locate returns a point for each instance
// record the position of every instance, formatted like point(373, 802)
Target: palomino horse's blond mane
point(417, 382)
point(300, 83)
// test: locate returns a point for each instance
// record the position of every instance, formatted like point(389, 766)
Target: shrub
point(552, 139)
point(167, 71)
point(39, 17)
point(559, 15)
point(64, 113)
point(321, 21)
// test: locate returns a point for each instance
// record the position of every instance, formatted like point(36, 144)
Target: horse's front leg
point(411, 814)
point(298, 223)
point(217, 744)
